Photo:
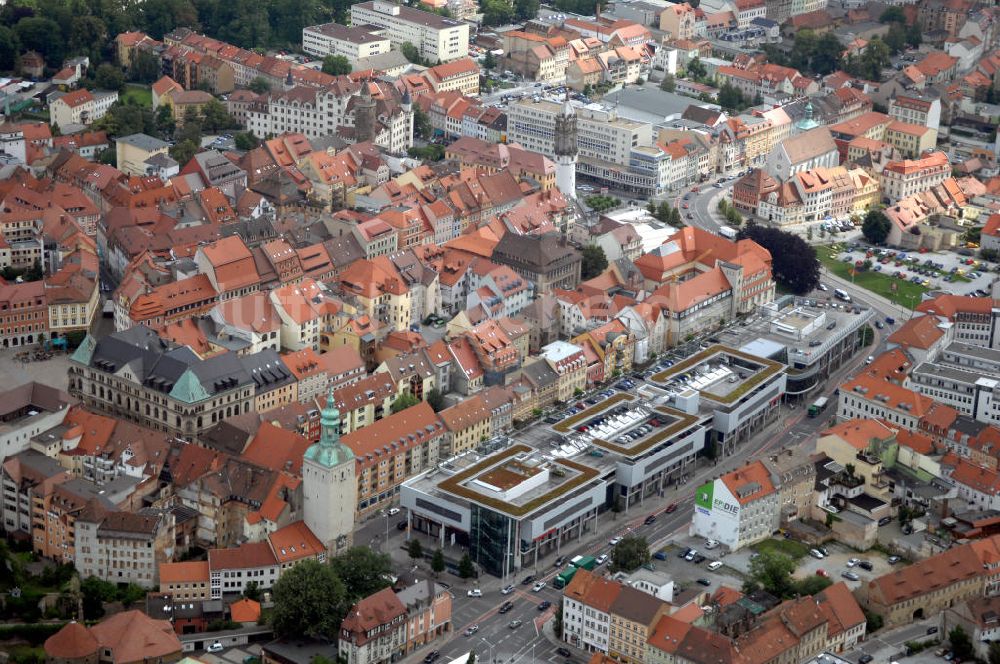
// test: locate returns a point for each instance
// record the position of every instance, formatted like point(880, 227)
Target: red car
point(822, 572)
point(671, 508)
point(685, 206)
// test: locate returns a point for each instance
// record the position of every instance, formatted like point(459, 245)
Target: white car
point(601, 559)
point(714, 565)
point(475, 592)
point(817, 554)
point(216, 646)
point(393, 511)
point(853, 561)
point(508, 590)
point(711, 544)
point(614, 541)
point(538, 586)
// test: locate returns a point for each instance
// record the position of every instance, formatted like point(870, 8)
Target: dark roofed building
point(548, 261)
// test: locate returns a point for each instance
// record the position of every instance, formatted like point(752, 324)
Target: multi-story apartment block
point(915, 110)
point(929, 586)
point(375, 630)
point(902, 179)
point(122, 547)
point(437, 38)
point(866, 396)
point(28, 410)
point(678, 21)
point(737, 509)
point(390, 451)
point(912, 140)
point(351, 42)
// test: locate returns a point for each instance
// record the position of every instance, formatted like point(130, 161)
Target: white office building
point(353, 43)
point(437, 38)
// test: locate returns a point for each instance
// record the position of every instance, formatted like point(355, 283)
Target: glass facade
point(491, 540)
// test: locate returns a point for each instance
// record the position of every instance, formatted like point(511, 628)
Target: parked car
point(853, 561)
point(475, 592)
point(215, 646)
point(815, 553)
point(865, 565)
point(864, 659)
point(401, 525)
point(614, 541)
point(393, 511)
point(714, 565)
point(601, 559)
point(892, 560)
point(850, 576)
point(432, 656)
point(528, 580)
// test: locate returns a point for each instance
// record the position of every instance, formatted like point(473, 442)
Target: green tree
point(95, 592)
point(252, 591)
point(895, 39)
point(404, 401)
point(245, 141)
point(466, 569)
point(601, 203)
point(663, 212)
point(37, 33)
point(422, 123)
point(309, 600)
point(496, 12)
point(10, 46)
point(435, 400)
point(109, 77)
point(675, 218)
point(875, 58)
point(669, 83)
point(411, 53)
point(594, 262)
point(415, 549)
point(215, 117)
point(259, 85)
point(892, 15)
point(363, 571)
point(144, 68)
point(826, 55)
point(960, 642)
point(336, 65)
point(437, 561)
point(731, 98)
point(489, 61)
point(629, 554)
point(914, 35)
point(183, 151)
point(874, 621)
point(158, 17)
point(794, 261)
point(525, 10)
point(164, 121)
point(87, 36)
point(993, 654)
point(811, 585)
point(772, 571)
point(695, 69)
point(876, 226)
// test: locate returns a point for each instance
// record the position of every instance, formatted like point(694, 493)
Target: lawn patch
point(139, 95)
point(907, 293)
point(791, 548)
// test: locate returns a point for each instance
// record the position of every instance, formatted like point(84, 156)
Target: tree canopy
point(309, 600)
point(363, 571)
point(876, 227)
point(594, 262)
point(404, 401)
point(629, 554)
point(336, 65)
point(794, 261)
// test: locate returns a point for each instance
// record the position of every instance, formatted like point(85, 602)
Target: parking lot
point(836, 564)
point(948, 271)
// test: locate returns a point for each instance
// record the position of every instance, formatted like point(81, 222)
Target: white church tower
point(329, 488)
point(566, 149)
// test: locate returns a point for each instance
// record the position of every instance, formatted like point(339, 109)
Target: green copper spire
point(329, 451)
point(807, 122)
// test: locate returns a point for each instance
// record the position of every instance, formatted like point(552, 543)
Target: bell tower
point(329, 487)
point(566, 149)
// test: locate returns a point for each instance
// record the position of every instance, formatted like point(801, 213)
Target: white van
point(841, 295)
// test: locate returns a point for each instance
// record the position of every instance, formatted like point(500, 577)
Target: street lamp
point(492, 661)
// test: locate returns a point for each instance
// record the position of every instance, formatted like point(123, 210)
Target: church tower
point(329, 488)
point(565, 149)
